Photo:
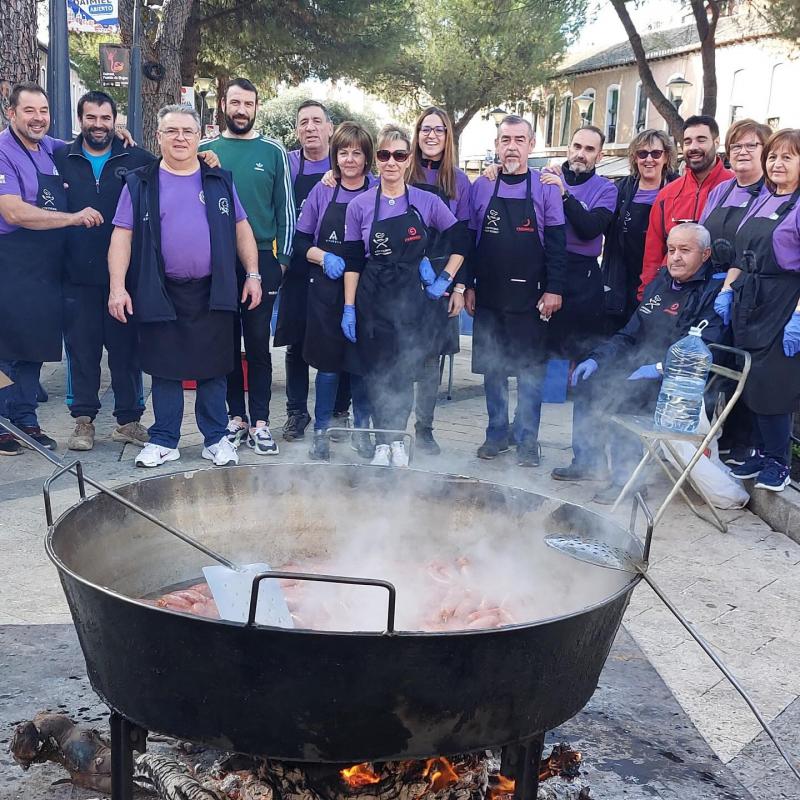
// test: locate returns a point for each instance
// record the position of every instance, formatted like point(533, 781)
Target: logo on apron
point(380, 240)
point(673, 309)
point(413, 235)
point(492, 222)
point(653, 303)
point(48, 198)
point(526, 227)
point(224, 207)
point(333, 238)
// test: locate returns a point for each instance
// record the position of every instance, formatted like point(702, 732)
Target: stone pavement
point(740, 589)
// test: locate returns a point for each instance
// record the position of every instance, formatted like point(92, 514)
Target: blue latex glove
point(791, 336)
point(583, 371)
point(647, 372)
point(333, 266)
point(439, 286)
point(427, 274)
point(349, 323)
point(722, 305)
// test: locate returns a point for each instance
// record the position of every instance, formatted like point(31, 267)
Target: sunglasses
point(398, 155)
point(654, 154)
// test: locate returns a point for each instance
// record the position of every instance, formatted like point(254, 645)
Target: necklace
point(391, 201)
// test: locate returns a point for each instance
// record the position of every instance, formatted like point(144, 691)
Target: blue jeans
point(326, 385)
point(529, 406)
point(776, 436)
point(18, 401)
point(209, 410)
point(361, 407)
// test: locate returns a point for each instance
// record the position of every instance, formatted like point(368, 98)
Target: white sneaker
point(399, 454)
point(223, 453)
point(382, 456)
point(236, 432)
point(261, 441)
point(154, 455)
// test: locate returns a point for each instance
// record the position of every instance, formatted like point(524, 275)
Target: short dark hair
point(241, 83)
point(593, 129)
point(702, 119)
point(351, 134)
point(98, 99)
point(312, 104)
point(25, 86)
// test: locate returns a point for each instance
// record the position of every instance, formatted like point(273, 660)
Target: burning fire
point(500, 786)
point(359, 775)
point(563, 761)
point(440, 772)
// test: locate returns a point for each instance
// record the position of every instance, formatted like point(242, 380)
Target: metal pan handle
point(639, 502)
point(304, 576)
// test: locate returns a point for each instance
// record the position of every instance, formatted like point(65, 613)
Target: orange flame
point(440, 772)
point(359, 775)
point(501, 786)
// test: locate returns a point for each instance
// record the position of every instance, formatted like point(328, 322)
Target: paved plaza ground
point(659, 693)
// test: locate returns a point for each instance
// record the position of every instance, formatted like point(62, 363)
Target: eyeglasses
point(174, 133)
point(654, 154)
point(427, 130)
point(398, 155)
point(751, 147)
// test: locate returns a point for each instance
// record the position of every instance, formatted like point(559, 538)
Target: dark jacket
point(665, 315)
point(87, 248)
point(146, 278)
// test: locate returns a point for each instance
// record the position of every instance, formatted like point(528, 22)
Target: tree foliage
point(784, 18)
point(277, 116)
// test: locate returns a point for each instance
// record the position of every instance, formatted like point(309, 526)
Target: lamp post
point(677, 86)
point(583, 102)
point(135, 79)
point(497, 115)
point(58, 72)
point(203, 85)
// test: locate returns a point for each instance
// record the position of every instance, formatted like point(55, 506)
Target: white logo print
point(259, 167)
point(653, 303)
point(202, 197)
point(492, 222)
point(2, 178)
point(224, 207)
point(48, 198)
point(380, 240)
point(146, 216)
point(333, 238)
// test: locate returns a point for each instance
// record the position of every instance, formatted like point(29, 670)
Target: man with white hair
point(629, 365)
point(179, 227)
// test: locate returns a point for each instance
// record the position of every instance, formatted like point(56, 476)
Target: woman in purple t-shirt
point(388, 281)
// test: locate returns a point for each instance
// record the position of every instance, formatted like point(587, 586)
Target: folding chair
point(653, 438)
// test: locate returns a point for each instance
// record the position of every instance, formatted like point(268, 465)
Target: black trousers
point(88, 328)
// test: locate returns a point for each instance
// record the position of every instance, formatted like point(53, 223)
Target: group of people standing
point(171, 262)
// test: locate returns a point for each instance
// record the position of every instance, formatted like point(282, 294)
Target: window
point(535, 118)
point(550, 122)
point(590, 111)
point(612, 112)
point(640, 109)
point(566, 120)
point(780, 96)
point(738, 90)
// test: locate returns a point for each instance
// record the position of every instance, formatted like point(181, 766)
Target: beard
point(708, 160)
point(98, 138)
point(239, 125)
point(512, 163)
point(579, 167)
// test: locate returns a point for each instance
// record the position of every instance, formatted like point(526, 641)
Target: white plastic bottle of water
point(680, 400)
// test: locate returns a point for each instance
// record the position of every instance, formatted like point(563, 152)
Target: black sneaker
point(425, 442)
point(750, 468)
point(578, 472)
point(339, 419)
point(9, 446)
point(320, 447)
point(361, 442)
point(736, 456)
point(35, 432)
point(529, 455)
point(492, 448)
point(295, 426)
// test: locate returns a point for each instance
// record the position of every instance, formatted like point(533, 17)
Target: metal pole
point(135, 81)
point(58, 83)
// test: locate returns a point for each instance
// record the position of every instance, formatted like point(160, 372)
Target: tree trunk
point(707, 30)
point(19, 53)
point(656, 96)
point(191, 47)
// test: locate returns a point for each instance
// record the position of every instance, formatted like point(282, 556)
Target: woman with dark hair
point(320, 240)
point(388, 283)
point(766, 309)
point(434, 170)
point(652, 160)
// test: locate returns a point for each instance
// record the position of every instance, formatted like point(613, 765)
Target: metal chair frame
point(652, 438)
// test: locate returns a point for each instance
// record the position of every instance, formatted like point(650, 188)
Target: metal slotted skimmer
point(612, 556)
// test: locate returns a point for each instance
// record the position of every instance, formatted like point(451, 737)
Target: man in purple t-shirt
point(179, 227)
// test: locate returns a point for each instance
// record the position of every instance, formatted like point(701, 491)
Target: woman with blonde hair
point(652, 160)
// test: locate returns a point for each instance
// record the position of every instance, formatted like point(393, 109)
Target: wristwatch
point(254, 275)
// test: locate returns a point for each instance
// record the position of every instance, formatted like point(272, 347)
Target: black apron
point(198, 345)
point(324, 343)
point(30, 276)
point(390, 300)
point(444, 329)
point(509, 262)
point(722, 223)
point(290, 327)
point(764, 302)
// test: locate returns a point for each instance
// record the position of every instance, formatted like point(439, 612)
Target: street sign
point(93, 16)
point(115, 65)
point(187, 96)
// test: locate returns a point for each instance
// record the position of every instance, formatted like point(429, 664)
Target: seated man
point(628, 365)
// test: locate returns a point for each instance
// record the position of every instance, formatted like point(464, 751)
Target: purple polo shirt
point(316, 204)
point(739, 197)
point(459, 204)
point(309, 167)
point(786, 237)
point(597, 192)
point(361, 211)
point(546, 199)
point(18, 175)
point(185, 235)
